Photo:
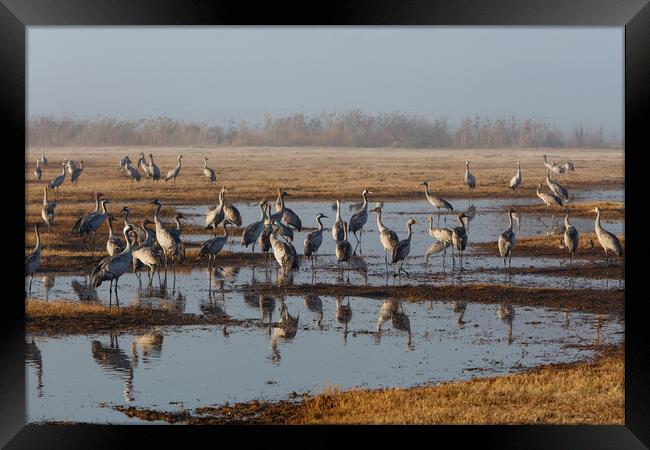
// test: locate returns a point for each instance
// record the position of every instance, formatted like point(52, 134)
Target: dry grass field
point(251, 173)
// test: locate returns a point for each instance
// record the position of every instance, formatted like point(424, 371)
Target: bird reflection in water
point(506, 313)
point(392, 310)
point(459, 307)
point(48, 282)
point(84, 291)
point(286, 328)
point(33, 357)
point(359, 265)
point(343, 314)
point(315, 305)
point(267, 306)
point(114, 361)
point(148, 344)
point(597, 326)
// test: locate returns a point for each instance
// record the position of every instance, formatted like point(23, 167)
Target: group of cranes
point(274, 232)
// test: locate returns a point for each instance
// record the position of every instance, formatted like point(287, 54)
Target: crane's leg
point(117, 298)
point(110, 293)
point(438, 216)
point(31, 278)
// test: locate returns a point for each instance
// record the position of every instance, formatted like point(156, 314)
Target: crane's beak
point(324, 217)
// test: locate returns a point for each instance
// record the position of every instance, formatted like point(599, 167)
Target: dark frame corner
point(634, 15)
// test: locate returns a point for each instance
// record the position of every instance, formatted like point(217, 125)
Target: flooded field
point(79, 378)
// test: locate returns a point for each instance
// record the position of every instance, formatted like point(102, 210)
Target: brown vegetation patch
point(609, 210)
point(63, 317)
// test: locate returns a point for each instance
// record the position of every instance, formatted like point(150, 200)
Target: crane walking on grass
point(515, 182)
point(210, 174)
point(173, 173)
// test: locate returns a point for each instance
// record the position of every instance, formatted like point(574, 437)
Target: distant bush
point(349, 129)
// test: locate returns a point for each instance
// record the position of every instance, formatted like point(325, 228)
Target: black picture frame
point(634, 15)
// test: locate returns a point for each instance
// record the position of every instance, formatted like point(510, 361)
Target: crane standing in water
point(33, 260)
point(571, 237)
point(403, 248)
point(470, 180)
point(337, 228)
point(387, 237)
point(314, 240)
point(359, 219)
point(607, 239)
point(507, 241)
point(436, 200)
point(112, 268)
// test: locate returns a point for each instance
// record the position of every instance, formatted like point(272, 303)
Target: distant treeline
point(348, 129)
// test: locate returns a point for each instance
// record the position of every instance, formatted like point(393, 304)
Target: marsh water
point(79, 378)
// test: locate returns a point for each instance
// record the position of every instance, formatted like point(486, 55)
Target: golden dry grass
point(250, 173)
point(608, 210)
point(591, 393)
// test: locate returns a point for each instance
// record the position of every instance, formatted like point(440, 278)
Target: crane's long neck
point(45, 202)
point(379, 224)
point(267, 214)
point(110, 229)
point(426, 191)
point(510, 220)
point(221, 195)
point(430, 225)
point(263, 215)
point(338, 211)
point(320, 224)
point(365, 200)
point(156, 215)
point(104, 210)
point(566, 221)
point(151, 159)
point(38, 163)
point(345, 231)
point(205, 163)
point(225, 230)
point(147, 239)
point(281, 201)
point(127, 249)
point(598, 226)
point(37, 248)
point(97, 203)
point(408, 227)
point(178, 223)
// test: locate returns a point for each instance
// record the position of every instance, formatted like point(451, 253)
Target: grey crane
point(459, 238)
point(179, 257)
point(507, 241)
point(568, 166)
point(76, 173)
point(112, 268)
point(515, 182)
point(344, 249)
point(470, 180)
point(359, 219)
point(607, 239)
point(114, 244)
point(387, 237)
point(141, 164)
point(314, 240)
point(148, 255)
point(436, 200)
point(289, 217)
point(547, 164)
point(93, 222)
point(47, 211)
point(153, 169)
point(337, 228)
point(43, 159)
point(71, 165)
point(132, 172)
point(557, 188)
point(253, 230)
point(443, 235)
point(38, 173)
point(210, 174)
point(58, 181)
point(278, 216)
point(165, 237)
point(123, 163)
point(403, 248)
point(571, 237)
point(211, 248)
point(136, 234)
point(264, 239)
point(76, 228)
point(549, 199)
point(343, 312)
point(556, 168)
point(232, 214)
point(214, 217)
point(33, 260)
point(173, 173)
point(284, 253)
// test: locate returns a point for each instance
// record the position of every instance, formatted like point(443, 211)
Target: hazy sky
point(215, 74)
